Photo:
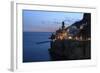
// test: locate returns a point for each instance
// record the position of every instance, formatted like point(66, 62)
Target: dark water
point(33, 52)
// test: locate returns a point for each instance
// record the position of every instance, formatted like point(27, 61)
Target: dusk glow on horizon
point(47, 21)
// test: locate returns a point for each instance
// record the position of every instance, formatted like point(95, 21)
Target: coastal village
point(72, 42)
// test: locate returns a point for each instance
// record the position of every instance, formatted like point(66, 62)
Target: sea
point(33, 48)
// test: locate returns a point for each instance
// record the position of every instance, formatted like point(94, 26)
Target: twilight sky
point(46, 21)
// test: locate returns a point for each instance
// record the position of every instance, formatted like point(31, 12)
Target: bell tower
point(63, 25)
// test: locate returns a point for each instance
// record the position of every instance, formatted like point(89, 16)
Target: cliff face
point(70, 50)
